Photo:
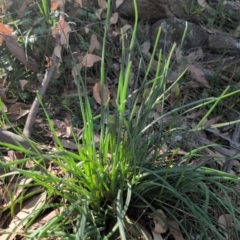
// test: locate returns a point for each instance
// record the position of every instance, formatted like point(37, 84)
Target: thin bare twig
point(47, 77)
point(12, 138)
point(35, 106)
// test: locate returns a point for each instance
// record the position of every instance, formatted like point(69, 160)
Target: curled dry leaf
point(55, 4)
point(64, 29)
point(160, 222)
point(90, 59)
point(18, 53)
point(156, 236)
point(118, 3)
point(174, 230)
point(6, 30)
point(114, 18)
point(30, 164)
point(98, 13)
point(94, 43)
point(145, 47)
point(16, 111)
point(16, 107)
point(174, 75)
point(43, 219)
point(126, 27)
point(194, 56)
point(102, 4)
point(198, 75)
point(136, 230)
point(30, 206)
point(23, 82)
point(57, 51)
point(211, 121)
point(97, 93)
point(225, 221)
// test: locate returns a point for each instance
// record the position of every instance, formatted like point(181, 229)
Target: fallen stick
point(35, 106)
point(47, 77)
point(12, 138)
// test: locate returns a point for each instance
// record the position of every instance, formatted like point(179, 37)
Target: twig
point(47, 77)
point(222, 150)
point(12, 138)
point(35, 106)
point(232, 142)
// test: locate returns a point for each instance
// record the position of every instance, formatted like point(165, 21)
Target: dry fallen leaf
point(30, 86)
point(6, 30)
point(15, 117)
point(98, 13)
point(42, 220)
point(118, 3)
point(211, 121)
point(174, 75)
point(64, 29)
point(11, 193)
point(126, 27)
point(55, 4)
point(94, 43)
point(156, 236)
point(97, 93)
point(17, 188)
point(16, 107)
point(135, 229)
point(16, 111)
point(102, 4)
point(198, 75)
point(57, 51)
point(20, 219)
point(90, 59)
point(23, 82)
point(114, 18)
point(160, 224)
point(194, 56)
point(174, 230)
point(225, 221)
point(145, 47)
point(17, 51)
